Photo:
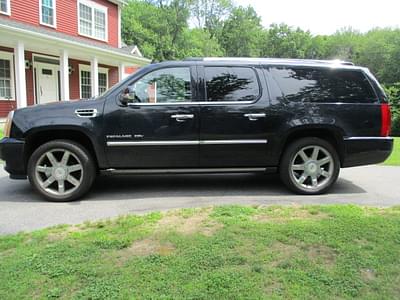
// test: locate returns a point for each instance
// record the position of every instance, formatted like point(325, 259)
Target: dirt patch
point(282, 252)
point(322, 254)
point(196, 223)
point(368, 274)
point(281, 215)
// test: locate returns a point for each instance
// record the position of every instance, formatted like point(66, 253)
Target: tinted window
point(163, 86)
point(231, 84)
point(323, 85)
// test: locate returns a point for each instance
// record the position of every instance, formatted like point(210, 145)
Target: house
point(54, 50)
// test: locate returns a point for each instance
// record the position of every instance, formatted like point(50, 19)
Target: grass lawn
point(1, 131)
point(394, 159)
point(229, 252)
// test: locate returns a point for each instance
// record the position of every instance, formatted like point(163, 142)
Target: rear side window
point(323, 85)
point(231, 84)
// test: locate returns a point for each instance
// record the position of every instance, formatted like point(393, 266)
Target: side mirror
point(127, 96)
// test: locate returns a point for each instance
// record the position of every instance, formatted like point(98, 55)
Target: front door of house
point(47, 83)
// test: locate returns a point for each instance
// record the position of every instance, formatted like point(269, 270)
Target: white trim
point(185, 143)
point(121, 71)
point(119, 27)
point(9, 56)
point(87, 68)
point(93, 6)
point(54, 14)
point(64, 76)
point(19, 53)
point(75, 45)
point(8, 12)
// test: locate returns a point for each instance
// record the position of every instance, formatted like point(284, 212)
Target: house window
point(6, 76)
point(86, 81)
point(5, 7)
point(86, 87)
point(102, 83)
point(92, 20)
point(48, 12)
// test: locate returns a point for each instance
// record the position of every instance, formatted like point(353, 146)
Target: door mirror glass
point(128, 96)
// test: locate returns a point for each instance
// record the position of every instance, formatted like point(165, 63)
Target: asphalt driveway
point(21, 209)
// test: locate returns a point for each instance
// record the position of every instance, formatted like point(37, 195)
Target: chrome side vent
point(86, 112)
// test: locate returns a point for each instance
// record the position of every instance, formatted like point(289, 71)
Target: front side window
point(47, 12)
point(231, 84)
point(163, 86)
point(5, 7)
point(324, 85)
point(92, 20)
point(6, 78)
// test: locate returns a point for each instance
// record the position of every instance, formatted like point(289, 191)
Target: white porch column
point(19, 54)
point(64, 75)
point(94, 76)
point(121, 71)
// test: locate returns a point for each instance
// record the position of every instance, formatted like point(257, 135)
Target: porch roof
point(50, 41)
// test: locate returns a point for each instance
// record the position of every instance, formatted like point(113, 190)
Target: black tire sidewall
point(89, 172)
point(292, 149)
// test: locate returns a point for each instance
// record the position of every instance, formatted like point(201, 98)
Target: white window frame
point(9, 56)
point(88, 69)
point(8, 12)
point(54, 14)
point(93, 6)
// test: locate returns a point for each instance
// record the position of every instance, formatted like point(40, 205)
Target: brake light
point(385, 119)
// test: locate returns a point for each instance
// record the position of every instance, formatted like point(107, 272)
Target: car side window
point(231, 84)
point(169, 85)
point(324, 85)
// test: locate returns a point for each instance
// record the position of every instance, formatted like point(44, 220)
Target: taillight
point(385, 119)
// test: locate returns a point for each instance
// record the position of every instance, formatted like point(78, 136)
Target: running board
point(188, 171)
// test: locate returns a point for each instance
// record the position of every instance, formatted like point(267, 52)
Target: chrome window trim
point(183, 143)
point(192, 103)
point(360, 138)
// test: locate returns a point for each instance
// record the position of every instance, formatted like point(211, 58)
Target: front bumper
point(12, 152)
point(366, 150)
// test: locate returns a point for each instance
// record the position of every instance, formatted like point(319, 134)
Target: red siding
point(112, 76)
point(30, 91)
point(131, 70)
point(66, 16)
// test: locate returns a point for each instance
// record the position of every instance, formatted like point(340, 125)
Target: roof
point(38, 30)
point(285, 61)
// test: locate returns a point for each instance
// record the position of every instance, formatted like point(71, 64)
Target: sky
point(325, 17)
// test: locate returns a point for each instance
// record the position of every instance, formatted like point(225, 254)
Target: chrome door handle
point(255, 117)
point(182, 118)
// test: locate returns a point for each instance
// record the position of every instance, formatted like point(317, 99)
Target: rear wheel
point(61, 170)
point(310, 166)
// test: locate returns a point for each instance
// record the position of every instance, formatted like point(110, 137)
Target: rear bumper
point(366, 150)
point(12, 152)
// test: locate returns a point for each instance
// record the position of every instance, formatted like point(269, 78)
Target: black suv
point(304, 119)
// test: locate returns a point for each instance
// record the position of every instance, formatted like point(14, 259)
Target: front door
point(46, 83)
point(233, 124)
point(159, 128)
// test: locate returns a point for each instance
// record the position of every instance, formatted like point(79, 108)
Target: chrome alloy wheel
point(59, 172)
point(312, 168)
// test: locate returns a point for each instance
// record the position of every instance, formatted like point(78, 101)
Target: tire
point(61, 170)
point(309, 166)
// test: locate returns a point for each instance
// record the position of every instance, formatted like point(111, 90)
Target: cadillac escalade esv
point(305, 119)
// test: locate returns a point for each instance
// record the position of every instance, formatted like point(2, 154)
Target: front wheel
point(61, 170)
point(309, 166)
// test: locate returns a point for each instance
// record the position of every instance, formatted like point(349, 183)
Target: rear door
point(233, 112)
point(160, 127)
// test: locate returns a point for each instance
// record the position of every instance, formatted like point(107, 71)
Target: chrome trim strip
point(232, 142)
point(360, 138)
point(152, 143)
point(184, 143)
point(192, 103)
point(183, 170)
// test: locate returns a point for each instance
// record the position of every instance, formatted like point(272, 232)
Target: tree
point(284, 41)
point(242, 33)
point(210, 14)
